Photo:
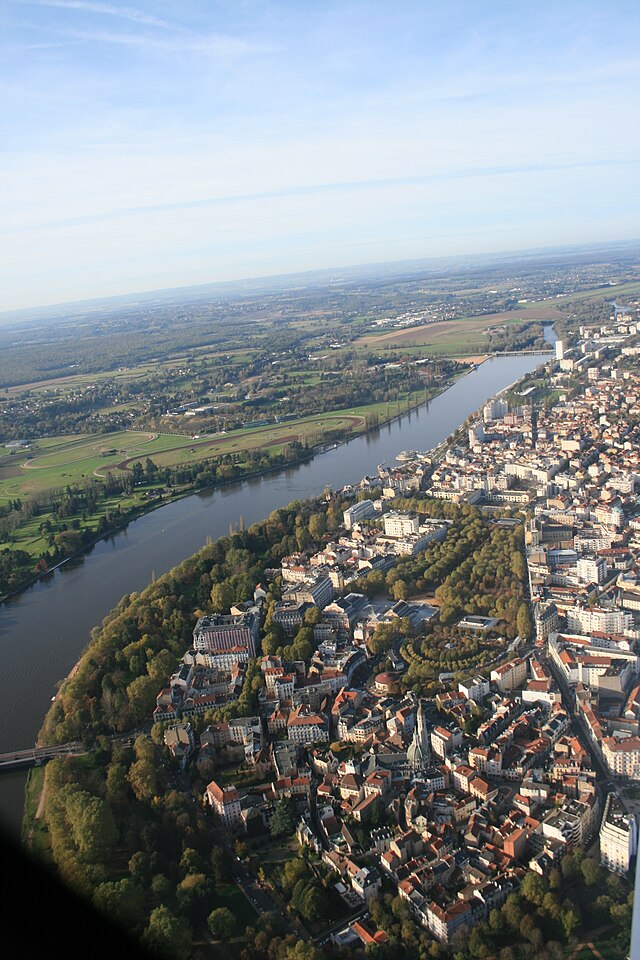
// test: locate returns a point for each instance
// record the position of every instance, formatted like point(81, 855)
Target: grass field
point(607, 293)
point(59, 461)
point(456, 334)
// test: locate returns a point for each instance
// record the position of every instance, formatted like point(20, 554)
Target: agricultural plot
point(456, 334)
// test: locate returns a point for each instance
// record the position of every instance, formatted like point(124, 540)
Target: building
point(180, 742)
point(477, 688)
point(304, 726)
point(225, 802)
point(592, 569)
point(444, 922)
point(510, 675)
point(223, 631)
point(363, 510)
point(419, 754)
point(319, 592)
point(618, 836)
point(622, 756)
point(400, 524)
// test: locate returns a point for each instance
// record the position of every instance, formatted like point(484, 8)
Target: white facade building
point(618, 836)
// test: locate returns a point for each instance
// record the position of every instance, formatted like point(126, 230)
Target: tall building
point(400, 524)
point(363, 510)
point(618, 836)
point(419, 754)
point(559, 349)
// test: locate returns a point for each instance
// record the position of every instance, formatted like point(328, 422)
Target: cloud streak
point(107, 9)
point(314, 189)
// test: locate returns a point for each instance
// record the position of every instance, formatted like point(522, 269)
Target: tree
point(512, 911)
point(143, 778)
point(570, 867)
point(92, 824)
point(222, 597)
point(140, 866)
point(168, 935)
point(317, 525)
point(221, 924)
point(191, 861)
point(194, 895)
point(161, 887)
point(551, 906)
point(117, 785)
point(294, 870)
point(524, 626)
point(533, 888)
point(592, 872)
point(570, 922)
point(283, 819)
point(142, 693)
point(220, 865)
point(122, 901)
point(313, 904)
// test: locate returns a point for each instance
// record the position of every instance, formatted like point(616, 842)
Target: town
point(448, 787)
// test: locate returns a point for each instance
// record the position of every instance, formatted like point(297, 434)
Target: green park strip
point(65, 493)
point(58, 462)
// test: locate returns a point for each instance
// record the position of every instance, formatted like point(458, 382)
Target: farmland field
point(454, 334)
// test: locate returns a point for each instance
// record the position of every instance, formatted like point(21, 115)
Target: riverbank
point(164, 499)
point(58, 614)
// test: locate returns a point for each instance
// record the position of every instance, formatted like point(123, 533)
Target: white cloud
point(108, 9)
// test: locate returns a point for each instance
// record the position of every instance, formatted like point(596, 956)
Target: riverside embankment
point(44, 630)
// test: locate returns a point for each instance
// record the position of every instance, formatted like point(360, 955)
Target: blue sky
point(147, 145)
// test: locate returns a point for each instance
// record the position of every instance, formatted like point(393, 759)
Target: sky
point(148, 145)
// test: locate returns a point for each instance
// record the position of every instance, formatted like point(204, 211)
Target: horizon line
point(498, 255)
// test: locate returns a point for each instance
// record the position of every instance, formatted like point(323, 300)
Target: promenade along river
point(44, 629)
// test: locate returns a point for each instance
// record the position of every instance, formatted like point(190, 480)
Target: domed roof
point(386, 677)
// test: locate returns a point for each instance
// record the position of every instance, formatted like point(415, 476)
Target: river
point(44, 629)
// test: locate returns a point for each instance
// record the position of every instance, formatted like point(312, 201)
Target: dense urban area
point(401, 718)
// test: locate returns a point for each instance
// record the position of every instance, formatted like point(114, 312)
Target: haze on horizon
point(167, 144)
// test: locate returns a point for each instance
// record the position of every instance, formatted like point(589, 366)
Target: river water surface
point(44, 629)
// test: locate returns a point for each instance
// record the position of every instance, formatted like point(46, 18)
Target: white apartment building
point(444, 742)
point(496, 409)
point(400, 524)
point(476, 688)
point(592, 569)
point(598, 620)
point(622, 756)
point(244, 729)
point(225, 802)
point(363, 510)
point(618, 836)
point(306, 727)
point(510, 675)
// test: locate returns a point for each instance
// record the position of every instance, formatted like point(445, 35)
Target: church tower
point(419, 754)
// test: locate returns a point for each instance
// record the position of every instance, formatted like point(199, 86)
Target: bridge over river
point(36, 756)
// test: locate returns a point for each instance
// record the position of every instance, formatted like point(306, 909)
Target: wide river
point(44, 629)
